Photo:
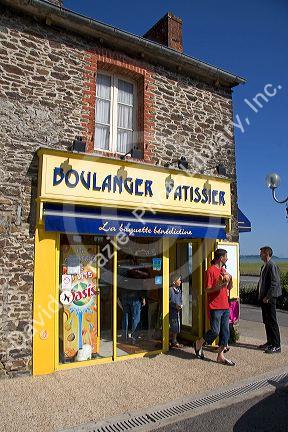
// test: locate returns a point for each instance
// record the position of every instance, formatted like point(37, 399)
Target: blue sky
point(248, 39)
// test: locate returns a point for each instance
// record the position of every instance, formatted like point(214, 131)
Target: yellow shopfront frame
point(46, 274)
point(46, 310)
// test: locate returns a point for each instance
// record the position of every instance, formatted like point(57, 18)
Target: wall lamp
point(182, 163)
point(221, 170)
point(135, 153)
point(78, 145)
point(273, 181)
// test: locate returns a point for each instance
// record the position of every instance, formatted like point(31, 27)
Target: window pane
point(125, 117)
point(102, 111)
point(125, 92)
point(124, 141)
point(102, 135)
point(86, 299)
point(103, 86)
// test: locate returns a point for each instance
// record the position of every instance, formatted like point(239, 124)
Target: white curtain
point(105, 97)
point(124, 141)
point(125, 92)
point(103, 108)
point(125, 116)
point(103, 86)
point(102, 137)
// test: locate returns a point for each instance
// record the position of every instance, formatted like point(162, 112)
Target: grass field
point(253, 268)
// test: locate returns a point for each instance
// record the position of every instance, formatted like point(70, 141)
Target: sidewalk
point(70, 398)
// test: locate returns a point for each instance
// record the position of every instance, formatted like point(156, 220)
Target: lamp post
point(273, 181)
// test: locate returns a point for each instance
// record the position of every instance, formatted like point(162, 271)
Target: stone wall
point(40, 105)
point(195, 120)
point(43, 84)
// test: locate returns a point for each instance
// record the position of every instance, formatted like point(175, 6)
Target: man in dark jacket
point(269, 288)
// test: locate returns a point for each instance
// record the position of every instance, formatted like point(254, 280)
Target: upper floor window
point(115, 113)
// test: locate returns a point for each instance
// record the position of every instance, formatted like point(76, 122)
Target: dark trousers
point(270, 321)
point(131, 308)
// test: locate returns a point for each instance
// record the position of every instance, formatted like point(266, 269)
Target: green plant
point(234, 333)
point(249, 293)
point(284, 282)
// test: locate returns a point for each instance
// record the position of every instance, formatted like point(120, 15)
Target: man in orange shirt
point(217, 297)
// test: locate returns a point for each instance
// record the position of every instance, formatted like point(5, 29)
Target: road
point(251, 323)
point(249, 279)
point(265, 413)
point(253, 313)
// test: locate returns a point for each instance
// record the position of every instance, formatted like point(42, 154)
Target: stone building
point(51, 62)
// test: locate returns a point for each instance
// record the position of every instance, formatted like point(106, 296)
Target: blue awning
point(244, 225)
point(112, 222)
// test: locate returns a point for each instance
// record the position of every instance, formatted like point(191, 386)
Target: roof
point(152, 52)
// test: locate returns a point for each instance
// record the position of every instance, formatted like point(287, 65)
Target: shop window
point(86, 299)
point(115, 114)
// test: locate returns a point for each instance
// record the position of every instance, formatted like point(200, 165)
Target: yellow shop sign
point(85, 179)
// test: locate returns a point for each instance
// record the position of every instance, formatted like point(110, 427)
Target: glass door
point(189, 265)
point(139, 296)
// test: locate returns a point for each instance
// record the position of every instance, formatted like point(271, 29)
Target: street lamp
point(273, 181)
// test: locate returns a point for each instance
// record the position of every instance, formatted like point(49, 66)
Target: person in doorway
point(175, 307)
point(216, 286)
point(269, 288)
point(133, 300)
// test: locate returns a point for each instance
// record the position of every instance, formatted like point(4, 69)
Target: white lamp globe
point(273, 180)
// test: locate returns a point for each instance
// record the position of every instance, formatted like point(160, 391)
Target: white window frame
point(113, 111)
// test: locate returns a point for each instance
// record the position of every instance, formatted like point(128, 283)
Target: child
point(175, 307)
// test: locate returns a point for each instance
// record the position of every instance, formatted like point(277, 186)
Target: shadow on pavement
point(270, 414)
point(180, 353)
point(247, 346)
point(185, 355)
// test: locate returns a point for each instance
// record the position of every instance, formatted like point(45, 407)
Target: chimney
point(167, 31)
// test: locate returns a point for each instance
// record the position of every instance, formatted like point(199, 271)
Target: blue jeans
point(132, 308)
point(219, 323)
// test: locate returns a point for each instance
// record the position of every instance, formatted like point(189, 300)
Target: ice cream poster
point(79, 301)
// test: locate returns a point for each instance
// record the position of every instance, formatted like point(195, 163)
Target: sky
point(249, 39)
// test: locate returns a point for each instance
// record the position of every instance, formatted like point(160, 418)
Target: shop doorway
point(189, 265)
point(139, 296)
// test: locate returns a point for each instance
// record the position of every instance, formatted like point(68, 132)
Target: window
point(115, 113)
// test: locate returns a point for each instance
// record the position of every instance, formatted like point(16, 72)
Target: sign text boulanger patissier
point(126, 184)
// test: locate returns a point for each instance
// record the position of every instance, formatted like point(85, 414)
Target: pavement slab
point(76, 396)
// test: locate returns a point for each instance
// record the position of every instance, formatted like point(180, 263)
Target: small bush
point(234, 333)
point(249, 293)
point(284, 282)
